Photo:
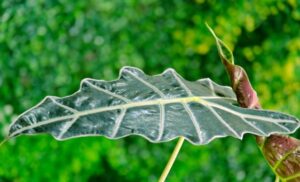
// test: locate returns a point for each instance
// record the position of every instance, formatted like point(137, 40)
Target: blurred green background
point(47, 47)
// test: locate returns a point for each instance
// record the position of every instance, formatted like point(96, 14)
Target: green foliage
point(48, 47)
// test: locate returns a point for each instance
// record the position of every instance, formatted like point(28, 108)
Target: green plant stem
point(277, 179)
point(171, 160)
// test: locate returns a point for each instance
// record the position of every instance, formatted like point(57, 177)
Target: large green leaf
point(159, 108)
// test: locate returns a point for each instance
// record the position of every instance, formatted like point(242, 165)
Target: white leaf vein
point(107, 92)
point(194, 121)
point(154, 102)
point(266, 119)
point(161, 106)
point(118, 122)
point(211, 86)
point(63, 106)
point(188, 91)
point(147, 103)
point(222, 121)
point(155, 89)
point(161, 121)
point(252, 125)
point(67, 127)
point(187, 108)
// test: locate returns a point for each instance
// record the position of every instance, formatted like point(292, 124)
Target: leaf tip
point(223, 49)
point(211, 31)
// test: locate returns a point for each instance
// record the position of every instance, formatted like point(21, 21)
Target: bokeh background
point(47, 47)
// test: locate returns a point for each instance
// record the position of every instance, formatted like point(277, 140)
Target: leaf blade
point(102, 108)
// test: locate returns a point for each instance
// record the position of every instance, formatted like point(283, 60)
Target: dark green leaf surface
point(159, 108)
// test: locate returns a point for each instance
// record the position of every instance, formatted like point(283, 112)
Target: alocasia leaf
point(282, 152)
point(159, 108)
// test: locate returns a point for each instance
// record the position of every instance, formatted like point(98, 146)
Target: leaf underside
point(159, 108)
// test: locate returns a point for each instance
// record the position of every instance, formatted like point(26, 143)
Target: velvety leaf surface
point(159, 108)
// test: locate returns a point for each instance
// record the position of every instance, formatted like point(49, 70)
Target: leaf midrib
point(120, 106)
point(160, 101)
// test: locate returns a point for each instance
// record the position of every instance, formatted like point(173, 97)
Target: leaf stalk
point(171, 160)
